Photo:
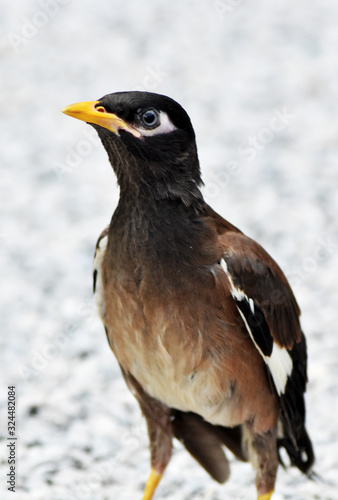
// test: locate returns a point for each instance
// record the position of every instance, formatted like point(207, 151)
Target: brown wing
point(253, 274)
point(270, 312)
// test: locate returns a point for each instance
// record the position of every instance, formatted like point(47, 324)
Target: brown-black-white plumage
point(201, 319)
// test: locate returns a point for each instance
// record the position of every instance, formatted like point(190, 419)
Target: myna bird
point(201, 319)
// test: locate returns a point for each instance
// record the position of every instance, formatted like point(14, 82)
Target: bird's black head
point(150, 143)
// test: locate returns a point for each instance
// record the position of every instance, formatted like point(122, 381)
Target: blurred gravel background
point(259, 81)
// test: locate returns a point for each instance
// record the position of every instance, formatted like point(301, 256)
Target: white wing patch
point(237, 293)
point(280, 366)
point(279, 362)
point(98, 259)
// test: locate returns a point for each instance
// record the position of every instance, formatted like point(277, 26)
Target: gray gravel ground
point(236, 66)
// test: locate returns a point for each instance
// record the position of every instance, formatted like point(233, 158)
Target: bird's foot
point(265, 496)
point(151, 484)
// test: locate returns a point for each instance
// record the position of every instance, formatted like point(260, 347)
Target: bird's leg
point(160, 436)
point(267, 496)
point(151, 485)
point(158, 418)
point(262, 450)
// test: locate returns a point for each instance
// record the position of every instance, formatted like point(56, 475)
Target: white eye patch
point(165, 126)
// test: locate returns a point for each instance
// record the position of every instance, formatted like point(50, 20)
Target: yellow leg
point(266, 496)
point(151, 485)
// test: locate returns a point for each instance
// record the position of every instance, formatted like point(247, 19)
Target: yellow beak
point(93, 112)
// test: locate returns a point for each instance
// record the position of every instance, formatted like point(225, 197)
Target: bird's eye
point(150, 118)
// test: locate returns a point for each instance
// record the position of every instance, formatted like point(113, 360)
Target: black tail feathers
point(300, 451)
point(295, 438)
